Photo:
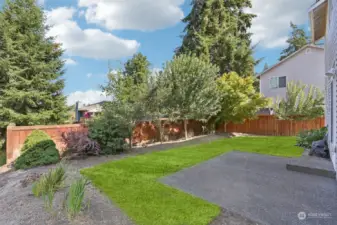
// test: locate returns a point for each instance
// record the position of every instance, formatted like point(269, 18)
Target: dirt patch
point(20, 207)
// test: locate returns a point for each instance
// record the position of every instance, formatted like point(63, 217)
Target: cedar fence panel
point(270, 125)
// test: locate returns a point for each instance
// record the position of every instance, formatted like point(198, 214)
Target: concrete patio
point(260, 187)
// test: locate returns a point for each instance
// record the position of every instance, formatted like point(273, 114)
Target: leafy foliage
point(49, 183)
point(239, 99)
point(190, 87)
point(107, 132)
point(296, 41)
point(42, 153)
point(302, 102)
point(31, 68)
point(34, 138)
point(75, 197)
point(138, 69)
point(305, 138)
point(3, 158)
point(217, 31)
point(79, 144)
point(155, 102)
point(129, 88)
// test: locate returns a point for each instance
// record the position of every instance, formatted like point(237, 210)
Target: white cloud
point(89, 43)
point(69, 61)
point(87, 97)
point(89, 75)
point(272, 23)
point(40, 2)
point(133, 14)
point(155, 71)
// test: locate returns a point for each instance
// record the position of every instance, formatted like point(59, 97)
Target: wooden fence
point(270, 125)
point(16, 136)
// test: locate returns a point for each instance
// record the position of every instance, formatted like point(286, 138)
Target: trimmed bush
point(34, 138)
point(79, 144)
point(42, 153)
point(110, 136)
point(305, 138)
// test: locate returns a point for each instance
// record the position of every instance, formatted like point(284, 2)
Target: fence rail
point(270, 125)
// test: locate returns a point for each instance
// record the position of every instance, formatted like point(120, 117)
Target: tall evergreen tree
point(217, 31)
point(265, 67)
point(296, 41)
point(138, 68)
point(31, 68)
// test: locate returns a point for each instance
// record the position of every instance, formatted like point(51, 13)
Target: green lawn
point(132, 182)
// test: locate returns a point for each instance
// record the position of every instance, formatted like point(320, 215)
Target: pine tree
point(296, 41)
point(130, 89)
point(31, 68)
point(217, 31)
point(138, 68)
point(265, 67)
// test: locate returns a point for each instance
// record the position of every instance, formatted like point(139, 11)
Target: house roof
point(318, 14)
point(289, 57)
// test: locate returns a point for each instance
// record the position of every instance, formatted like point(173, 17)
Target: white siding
point(306, 66)
point(331, 62)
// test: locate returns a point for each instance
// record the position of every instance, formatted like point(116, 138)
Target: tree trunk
point(225, 127)
point(185, 128)
point(130, 140)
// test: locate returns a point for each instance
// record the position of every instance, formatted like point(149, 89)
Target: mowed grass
point(132, 183)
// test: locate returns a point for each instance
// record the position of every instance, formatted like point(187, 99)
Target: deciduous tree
point(239, 99)
point(190, 87)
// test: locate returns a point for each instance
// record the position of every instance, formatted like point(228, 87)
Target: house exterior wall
point(307, 66)
point(331, 82)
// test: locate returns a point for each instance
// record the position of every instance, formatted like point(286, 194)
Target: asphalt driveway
point(260, 188)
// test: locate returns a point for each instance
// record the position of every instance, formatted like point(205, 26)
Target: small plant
point(48, 184)
point(75, 198)
point(305, 138)
point(79, 144)
point(34, 138)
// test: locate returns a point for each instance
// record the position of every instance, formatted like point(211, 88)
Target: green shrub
point(305, 138)
point(2, 158)
point(35, 137)
point(42, 153)
point(75, 197)
point(108, 134)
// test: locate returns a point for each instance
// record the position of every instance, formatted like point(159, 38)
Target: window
point(278, 82)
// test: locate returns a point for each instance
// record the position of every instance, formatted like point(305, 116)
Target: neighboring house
point(323, 16)
point(306, 65)
point(90, 110)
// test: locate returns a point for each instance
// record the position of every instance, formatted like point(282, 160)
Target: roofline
point(290, 56)
point(311, 18)
point(315, 5)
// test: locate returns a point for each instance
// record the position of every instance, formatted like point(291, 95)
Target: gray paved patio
point(259, 187)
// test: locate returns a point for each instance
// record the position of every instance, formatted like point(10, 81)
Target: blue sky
point(98, 33)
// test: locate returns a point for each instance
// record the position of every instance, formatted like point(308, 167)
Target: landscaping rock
point(320, 148)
